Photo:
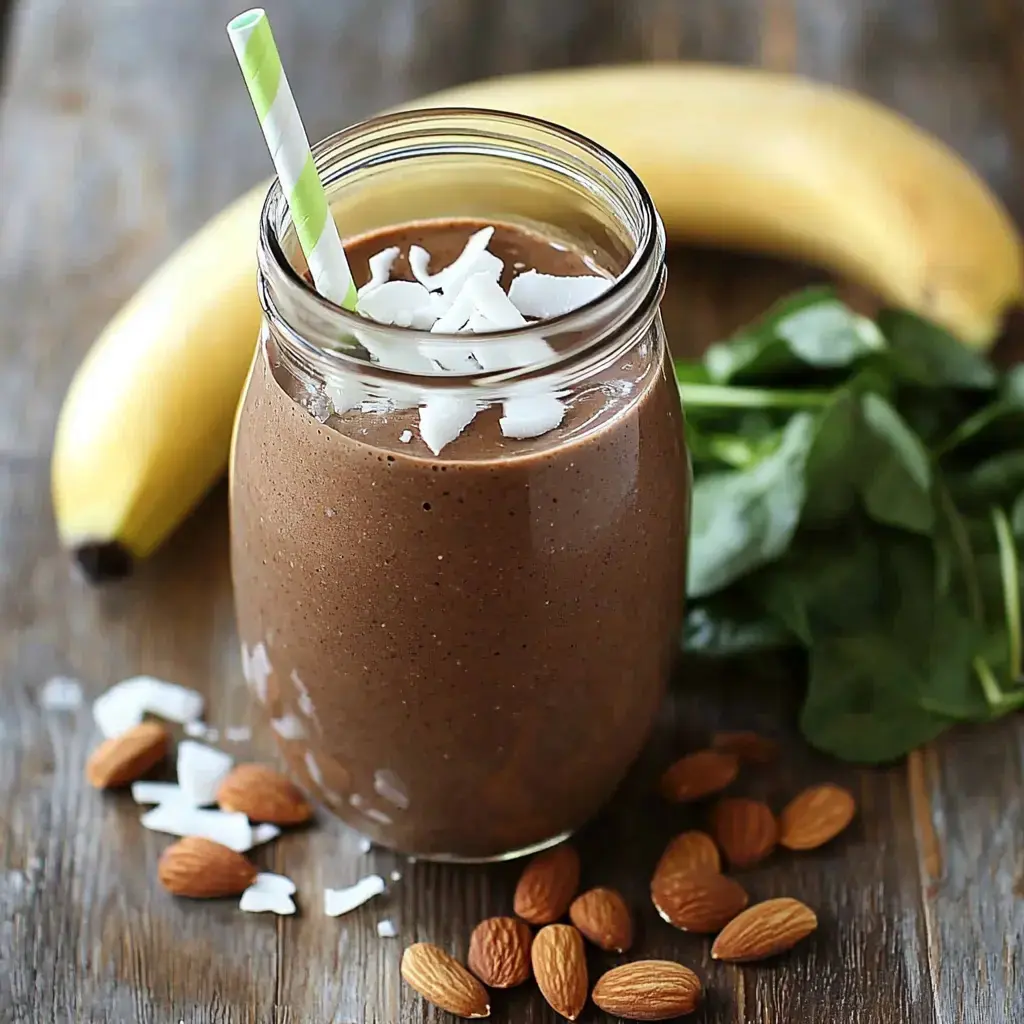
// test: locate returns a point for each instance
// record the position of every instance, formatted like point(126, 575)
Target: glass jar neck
point(458, 163)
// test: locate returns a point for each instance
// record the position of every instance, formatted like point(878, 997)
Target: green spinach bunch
point(859, 492)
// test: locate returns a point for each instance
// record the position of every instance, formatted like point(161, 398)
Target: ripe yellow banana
point(738, 158)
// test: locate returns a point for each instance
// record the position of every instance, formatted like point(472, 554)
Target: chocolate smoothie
point(461, 654)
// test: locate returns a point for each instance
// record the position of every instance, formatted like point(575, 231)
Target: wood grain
point(123, 126)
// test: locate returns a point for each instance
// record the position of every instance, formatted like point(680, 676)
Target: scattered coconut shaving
point(545, 296)
point(387, 929)
point(61, 693)
point(145, 792)
point(365, 846)
point(396, 876)
point(124, 705)
point(201, 769)
point(237, 734)
point(270, 893)
point(343, 901)
point(405, 436)
point(264, 833)
point(229, 828)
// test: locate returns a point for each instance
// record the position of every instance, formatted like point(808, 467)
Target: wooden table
point(124, 125)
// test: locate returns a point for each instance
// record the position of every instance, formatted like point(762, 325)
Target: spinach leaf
point(897, 490)
point(923, 353)
point(1017, 517)
point(719, 629)
point(745, 518)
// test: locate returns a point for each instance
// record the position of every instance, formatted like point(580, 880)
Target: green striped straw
point(286, 137)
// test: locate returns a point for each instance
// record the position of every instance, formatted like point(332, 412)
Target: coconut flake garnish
point(386, 929)
point(344, 901)
point(201, 769)
point(123, 706)
point(443, 418)
point(380, 269)
point(61, 693)
point(263, 833)
point(270, 893)
point(545, 296)
point(229, 828)
point(405, 436)
point(237, 733)
point(396, 876)
point(145, 792)
point(531, 415)
point(402, 303)
point(452, 276)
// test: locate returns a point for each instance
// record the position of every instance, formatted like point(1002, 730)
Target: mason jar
point(462, 652)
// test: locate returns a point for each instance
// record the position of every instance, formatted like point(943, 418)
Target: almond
point(603, 917)
point(560, 967)
point(815, 816)
point(547, 885)
point(744, 829)
point(263, 794)
point(203, 869)
point(443, 981)
point(749, 747)
point(699, 901)
point(764, 930)
point(690, 851)
point(499, 951)
point(127, 757)
point(648, 990)
point(699, 775)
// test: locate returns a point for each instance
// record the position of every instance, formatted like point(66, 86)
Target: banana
point(739, 158)
point(145, 427)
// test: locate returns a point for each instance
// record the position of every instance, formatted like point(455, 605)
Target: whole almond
point(764, 930)
point(648, 990)
point(263, 794)
point(443, 981)
point(203, 869)
point(547, 885)
point(699, 775)
point(749, 747)
point(690, 851)
point(699, 901)
point(125, 758)
point(560, 967)
point(499, 951)
point(603, 917)
point(815, 816)
point(744, 829)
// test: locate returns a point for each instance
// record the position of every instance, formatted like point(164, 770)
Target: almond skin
point(815, 816)
point(701, 902)
point(499, 951)
point(560, 967)
point(699, 775)
point(744, 829)
point(648, 990)
point(749, 747)
point(603, 916)
point(764, 930)
point(690, 851)
point(263, 794)
point(202, 869)
point(125, 758)
point(547, 885)
point(443, 981)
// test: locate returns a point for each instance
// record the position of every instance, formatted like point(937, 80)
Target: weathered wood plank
point(123, 127)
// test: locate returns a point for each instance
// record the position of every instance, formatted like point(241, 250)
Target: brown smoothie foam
point(461, 654)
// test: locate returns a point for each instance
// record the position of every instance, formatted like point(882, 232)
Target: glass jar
point(461, 654)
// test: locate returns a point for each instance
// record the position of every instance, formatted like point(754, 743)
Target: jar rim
point(645, 265)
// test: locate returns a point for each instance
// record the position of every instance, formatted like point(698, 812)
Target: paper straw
point(286, 137)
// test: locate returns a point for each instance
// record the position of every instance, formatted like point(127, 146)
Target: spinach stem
point(970, 426)
point(1010, 574)
point(962, 541)
point(727, 397)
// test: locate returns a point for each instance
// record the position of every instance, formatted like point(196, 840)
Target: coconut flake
point(270, 893)
point(288, 727)
point(237, 733)
point(386, 929)
point(389, 786)
point(455, 317)
point(380, 269)
point(61, 693)
point(452, 276)
point(172, 702)
point(443, 418)
point(405, 436)
point(343, 901)
point(489, 298)
point(123, 705)
point(396, 876)
point(264, 833)
point(545, 296)
point(365, 846)
point(201, 769)
point(145, 792)
point(402, 303)
point(531, 415)
point(229, 828)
